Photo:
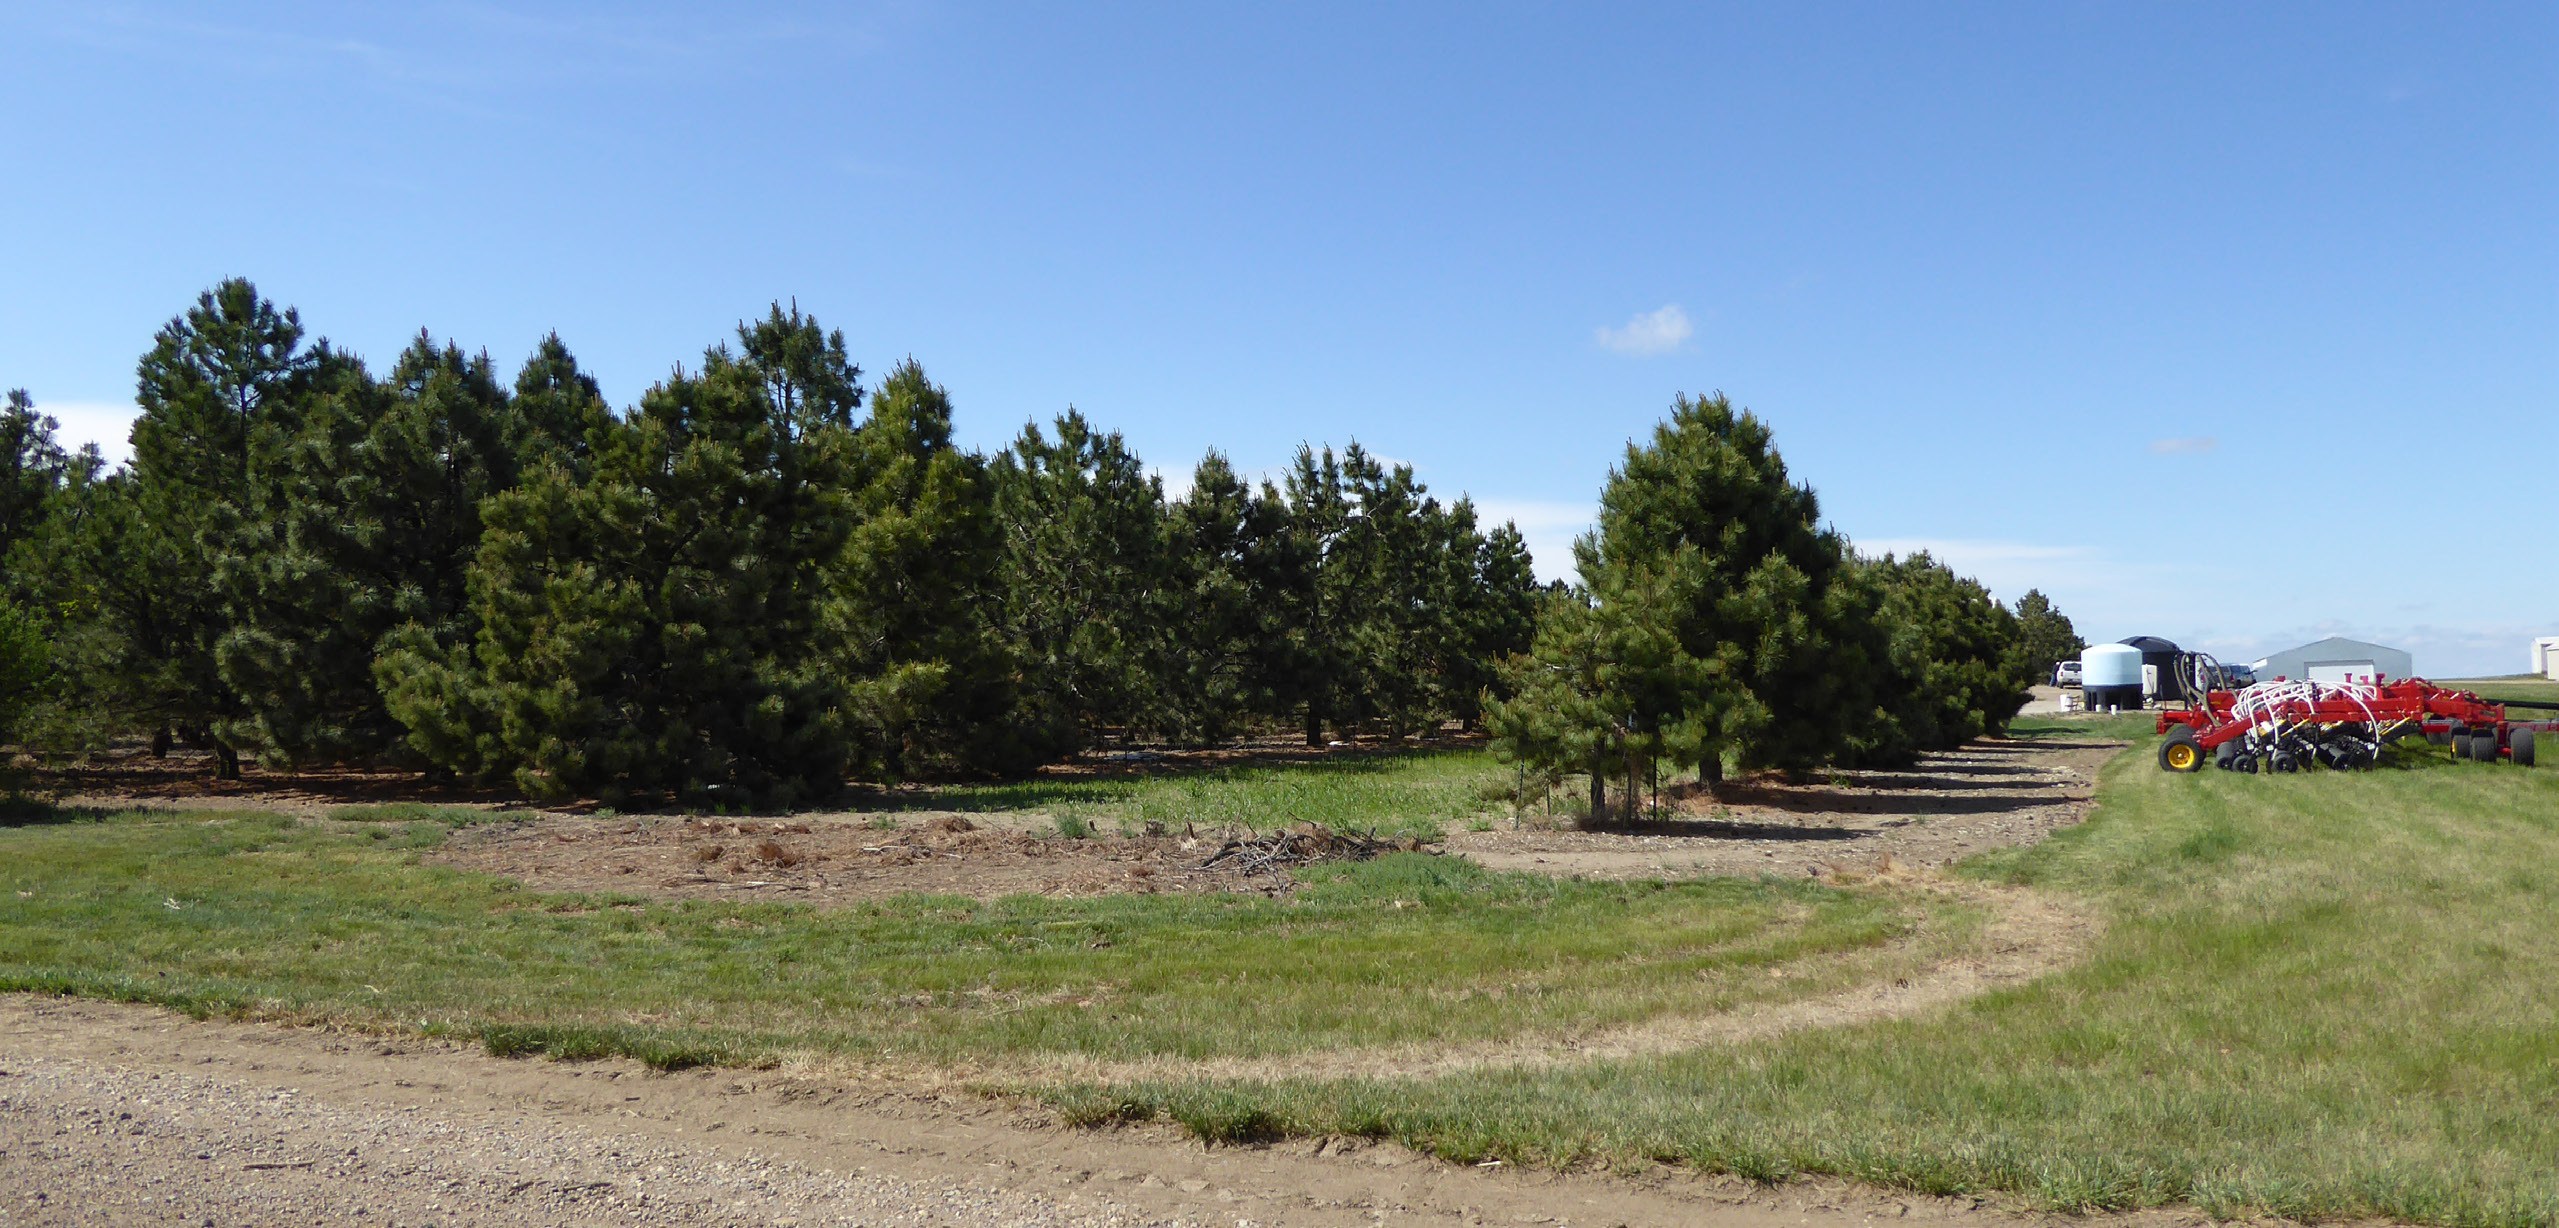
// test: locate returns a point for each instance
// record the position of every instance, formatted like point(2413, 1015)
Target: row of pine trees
point(760, 580)
point(766, 578)
point(1719, 623)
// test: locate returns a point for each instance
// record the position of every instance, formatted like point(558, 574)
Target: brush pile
point(1304, 844)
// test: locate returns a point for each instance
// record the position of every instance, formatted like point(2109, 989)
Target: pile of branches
point(1304, 844)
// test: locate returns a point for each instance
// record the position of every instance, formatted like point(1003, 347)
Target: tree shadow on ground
point(19, 810)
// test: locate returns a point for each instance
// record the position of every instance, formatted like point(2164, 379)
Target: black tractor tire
point(2226, 756)
point(2179, 752)
point(2483, 745)
point(2461, 744)
point(2519, 747)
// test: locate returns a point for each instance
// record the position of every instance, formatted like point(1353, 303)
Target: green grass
point(1412, 793)
point(2509, 689)
point(263, 916)
point(2322, 996)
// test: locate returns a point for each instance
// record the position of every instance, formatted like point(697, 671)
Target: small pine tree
point(2045, 637)
point(1707, 504)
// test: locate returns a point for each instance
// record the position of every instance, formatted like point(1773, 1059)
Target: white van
point(2066, 673)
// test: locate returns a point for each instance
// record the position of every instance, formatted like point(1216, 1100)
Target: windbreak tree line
point(761, 579)
point(1719, 624)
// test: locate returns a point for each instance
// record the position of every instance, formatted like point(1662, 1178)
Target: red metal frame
point(2395, 708)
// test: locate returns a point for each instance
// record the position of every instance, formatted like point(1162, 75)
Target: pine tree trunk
point(1598, 796)
point(161, 741)
point(1314, 724)
point(1710, 771)
point(1632, 793)
point(226, 762)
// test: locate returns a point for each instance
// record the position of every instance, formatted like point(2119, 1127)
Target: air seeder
point(2284, 726)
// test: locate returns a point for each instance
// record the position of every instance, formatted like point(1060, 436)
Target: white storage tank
point(2110, 676)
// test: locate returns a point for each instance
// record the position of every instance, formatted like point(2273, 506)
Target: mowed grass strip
point(265, 916)
point(1412, 793)
point(2322, 996)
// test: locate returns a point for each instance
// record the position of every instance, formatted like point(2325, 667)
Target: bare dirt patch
point(1992, 794)
point(834, 861)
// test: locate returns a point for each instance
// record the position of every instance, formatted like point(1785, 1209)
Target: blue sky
point(2233, 323)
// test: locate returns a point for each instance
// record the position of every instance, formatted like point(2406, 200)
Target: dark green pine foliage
point(1485, 598)
point(1321, 519)
point(910, 620)
point(1411, 605)
point(1954, 672)
point(648, 628)
point(2045, 637)
point(80, 571)
point(33, 469)
point(1240, 577)
point(559, 411)
point(219, 379)
point(1083, 564)
point(34, 472)
point(1707, 502)
point(1609, 689)
point(366, 521)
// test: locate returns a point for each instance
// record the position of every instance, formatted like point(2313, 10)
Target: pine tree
point(1239, 576)
point(1708, 501)
point(1953, 670)
point(1083, 561)
point(218, 379)
point(2045, 637)
point(558, 410)
point(650, 627)
point(33, 467)
point(1486, 598)
point(909, 619)
point(363, 524)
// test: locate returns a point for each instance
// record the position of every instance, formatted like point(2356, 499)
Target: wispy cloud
point(1653, 332)
point(2183, 447)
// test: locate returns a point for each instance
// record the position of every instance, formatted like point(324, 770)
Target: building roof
point(2341, 648)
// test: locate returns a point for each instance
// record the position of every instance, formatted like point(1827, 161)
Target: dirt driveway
point(125, 1115)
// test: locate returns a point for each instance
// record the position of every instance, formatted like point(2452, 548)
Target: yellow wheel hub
point(2183, 756)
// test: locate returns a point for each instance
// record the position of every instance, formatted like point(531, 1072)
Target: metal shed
point(2337, 659)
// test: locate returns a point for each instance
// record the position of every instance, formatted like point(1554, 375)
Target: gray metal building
point(2336, 659)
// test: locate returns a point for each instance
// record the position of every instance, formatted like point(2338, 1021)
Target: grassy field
point(1402, 794)
point(2509, 689)
point(340, 920)
point(2325, 995)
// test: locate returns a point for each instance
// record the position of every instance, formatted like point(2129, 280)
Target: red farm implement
point(2292, 726)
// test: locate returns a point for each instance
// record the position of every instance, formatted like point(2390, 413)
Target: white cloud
point(1653, 332)
point(108, 425)
point(2183, 447)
